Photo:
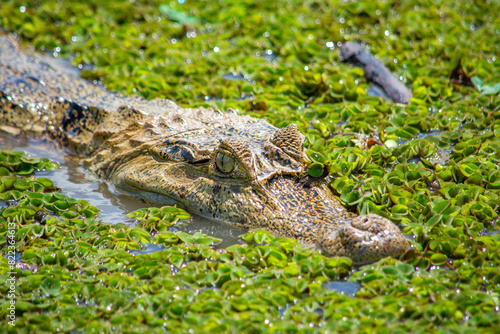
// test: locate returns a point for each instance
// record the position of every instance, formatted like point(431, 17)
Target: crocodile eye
point(225, 163)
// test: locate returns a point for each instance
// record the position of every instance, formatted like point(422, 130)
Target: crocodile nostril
point(365, 224)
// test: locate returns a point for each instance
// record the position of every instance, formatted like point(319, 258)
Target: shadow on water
point(76, 182)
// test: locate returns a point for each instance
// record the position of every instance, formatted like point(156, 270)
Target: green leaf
point(45, 182)
point(315, 156)
point(61, 205)
point(491, 90)
point(4, 171)
point(477, 82)
point(438, 259)
point(176, 15)
point(25, 169)
point(21, 185)
point(316, 169)
point(51, 286)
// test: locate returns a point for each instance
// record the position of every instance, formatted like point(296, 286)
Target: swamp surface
point(88, 260)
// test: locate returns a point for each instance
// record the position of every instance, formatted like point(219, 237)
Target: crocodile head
point(248, 179)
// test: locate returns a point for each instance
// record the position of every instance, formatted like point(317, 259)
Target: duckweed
point(433, 170)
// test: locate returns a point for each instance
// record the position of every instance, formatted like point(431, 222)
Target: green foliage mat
point(437, 173)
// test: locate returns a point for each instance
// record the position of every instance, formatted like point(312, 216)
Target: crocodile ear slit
point(291, 141)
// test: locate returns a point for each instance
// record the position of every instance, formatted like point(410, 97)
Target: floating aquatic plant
point(435, 172)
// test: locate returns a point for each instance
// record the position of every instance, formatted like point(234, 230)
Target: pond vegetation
point(437, 174)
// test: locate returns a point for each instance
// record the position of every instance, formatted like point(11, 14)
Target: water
point(346, 288)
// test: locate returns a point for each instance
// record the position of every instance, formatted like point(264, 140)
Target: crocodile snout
point(365, 239)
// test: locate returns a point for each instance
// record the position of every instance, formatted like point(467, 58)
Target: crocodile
point(221, 165)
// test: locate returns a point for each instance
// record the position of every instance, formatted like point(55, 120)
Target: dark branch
point(356, 54)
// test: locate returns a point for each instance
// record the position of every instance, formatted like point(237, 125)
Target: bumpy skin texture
point(222, 166)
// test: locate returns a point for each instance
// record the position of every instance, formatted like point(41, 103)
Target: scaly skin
point(222, 166)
